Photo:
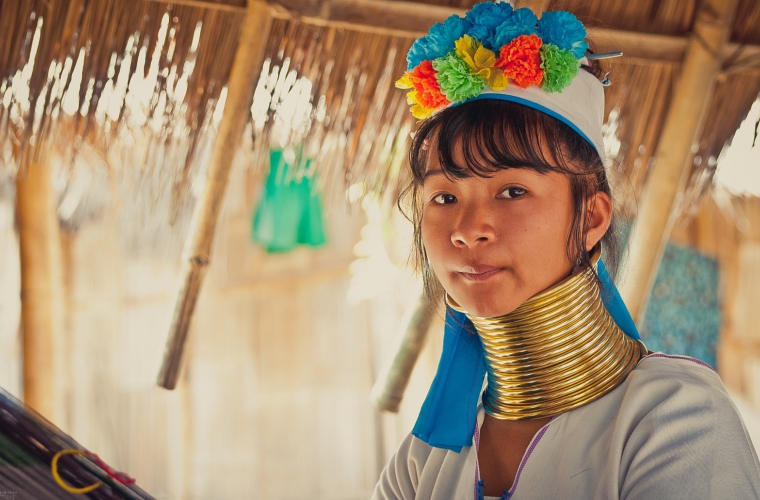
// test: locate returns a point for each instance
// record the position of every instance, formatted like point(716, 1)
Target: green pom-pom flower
point(456, 79)
point(560, 67)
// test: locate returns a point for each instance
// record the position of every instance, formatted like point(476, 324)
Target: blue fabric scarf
point(447, 417)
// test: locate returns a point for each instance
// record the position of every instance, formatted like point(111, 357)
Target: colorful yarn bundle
point(39, 462)
point(492, 46)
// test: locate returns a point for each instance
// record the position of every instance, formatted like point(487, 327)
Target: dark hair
point(494, 135)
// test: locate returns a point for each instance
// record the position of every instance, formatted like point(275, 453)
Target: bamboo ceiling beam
point(41, 285)
point(675, 151)
point(243, 75)
point(413, 19)
point(223, 6)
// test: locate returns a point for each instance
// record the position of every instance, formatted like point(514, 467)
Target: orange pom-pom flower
point(429, 92)
point(425, 94)
point(521, 61)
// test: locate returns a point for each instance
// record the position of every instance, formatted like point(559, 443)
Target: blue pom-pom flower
point(418, 52)
point(485, 17)
point(564, 30)
point(439, 41)
point(522, 22)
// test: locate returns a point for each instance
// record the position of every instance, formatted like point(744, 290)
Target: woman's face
point(495, 242)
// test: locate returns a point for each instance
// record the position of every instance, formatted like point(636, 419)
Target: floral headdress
point(493, 46)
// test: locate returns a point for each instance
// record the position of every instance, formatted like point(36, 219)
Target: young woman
point(512, 208)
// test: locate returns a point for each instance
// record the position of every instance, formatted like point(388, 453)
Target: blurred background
point(205, 276)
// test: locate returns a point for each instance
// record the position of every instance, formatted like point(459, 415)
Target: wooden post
point(391, 383)
point(243, 75)
point(41, 286)
point(675, 151)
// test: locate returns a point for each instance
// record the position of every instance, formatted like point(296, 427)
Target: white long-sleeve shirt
point(669, 431)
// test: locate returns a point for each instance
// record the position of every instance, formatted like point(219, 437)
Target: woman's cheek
point(434, 238)
point(430, 227)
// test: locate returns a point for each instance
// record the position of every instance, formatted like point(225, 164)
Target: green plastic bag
point(290, 211)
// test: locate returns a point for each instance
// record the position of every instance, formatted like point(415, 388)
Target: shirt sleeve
point(689, 443)
point(400, 478)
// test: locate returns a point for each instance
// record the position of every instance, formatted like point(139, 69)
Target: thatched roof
point(129, 89)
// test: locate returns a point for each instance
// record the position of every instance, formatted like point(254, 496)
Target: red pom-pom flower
point(521, 61)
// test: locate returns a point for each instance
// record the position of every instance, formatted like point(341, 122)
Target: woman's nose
point(473, 228)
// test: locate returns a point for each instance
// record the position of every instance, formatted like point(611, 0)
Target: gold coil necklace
point(558, 351)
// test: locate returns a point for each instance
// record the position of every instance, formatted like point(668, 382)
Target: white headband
point(580, 105)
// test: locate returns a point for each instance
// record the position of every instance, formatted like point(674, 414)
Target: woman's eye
point(444, 199)
point(512, 192)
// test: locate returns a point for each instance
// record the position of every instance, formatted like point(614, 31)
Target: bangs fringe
point(494, 135)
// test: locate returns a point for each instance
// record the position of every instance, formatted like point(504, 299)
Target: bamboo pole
point(537, 6)
point(196, 257)
point(675, 151)
point(391, 383)
point(41, 285)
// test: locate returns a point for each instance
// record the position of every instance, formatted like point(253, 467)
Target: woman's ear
point(598, 218)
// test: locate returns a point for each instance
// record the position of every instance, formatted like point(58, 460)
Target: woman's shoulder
point(659, 375)
point(672, 401)
point(680, 426)
point(670, 384)
point(660, 363)
point(663, 392)
point(670, 424)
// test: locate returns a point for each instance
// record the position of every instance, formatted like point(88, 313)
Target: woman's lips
point(480, 273)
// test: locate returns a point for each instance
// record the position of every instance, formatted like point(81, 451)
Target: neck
point(557, 351)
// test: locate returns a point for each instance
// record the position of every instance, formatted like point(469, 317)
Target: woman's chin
point(491, 312)
point(484, 309)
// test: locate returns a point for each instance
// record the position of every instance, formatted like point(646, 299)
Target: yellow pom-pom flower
point(481, 61)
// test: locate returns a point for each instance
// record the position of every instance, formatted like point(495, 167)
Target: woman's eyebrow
point(431, 173)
